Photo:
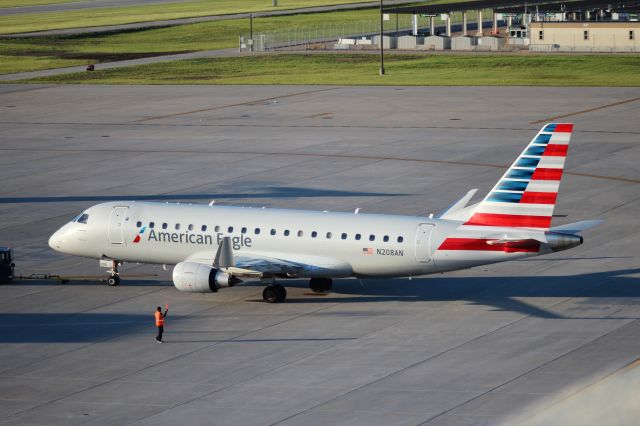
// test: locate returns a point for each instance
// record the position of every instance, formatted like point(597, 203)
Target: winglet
point(458, 205)
point(224, 256)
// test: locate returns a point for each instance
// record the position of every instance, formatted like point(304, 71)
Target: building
point(585, 36)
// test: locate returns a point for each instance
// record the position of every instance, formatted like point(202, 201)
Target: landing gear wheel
point(113, 280)
point(274, 293)
point(320, 285)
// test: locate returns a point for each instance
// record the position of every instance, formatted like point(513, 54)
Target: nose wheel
point(113, 280)
point(274, 293)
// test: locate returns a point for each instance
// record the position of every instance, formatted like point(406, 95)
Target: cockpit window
point(83, 218)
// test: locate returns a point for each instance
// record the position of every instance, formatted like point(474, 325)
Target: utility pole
point(381, 41)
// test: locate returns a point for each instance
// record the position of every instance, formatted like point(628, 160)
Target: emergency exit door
point(116, 225)
point(423, 242)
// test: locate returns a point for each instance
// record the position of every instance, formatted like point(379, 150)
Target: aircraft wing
point(257, 265)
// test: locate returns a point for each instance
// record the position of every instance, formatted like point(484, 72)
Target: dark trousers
point(160, 331)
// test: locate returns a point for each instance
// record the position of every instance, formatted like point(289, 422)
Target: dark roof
point(460, 6)
point(620, 6)
point(513, 6)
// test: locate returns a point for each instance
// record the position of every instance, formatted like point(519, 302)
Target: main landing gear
point(274, 293)
point(320, 285)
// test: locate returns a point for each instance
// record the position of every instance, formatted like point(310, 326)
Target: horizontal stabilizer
point(577, 227)
point(458, 205)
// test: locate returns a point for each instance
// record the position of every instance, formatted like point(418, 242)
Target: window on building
point(343, 236)
point(586, 34)
point(257, 231)
point(177, 226)
point(328, 235)
point(300, 233)
point(372, 237)
point(286, 232)
point(273, 232)
point(385, 239)
point(631, 35)
point(314, 234)
point(400, 239)
point(190, 227)
point(358, 236)
point(151, 225)
point(204, 228)
point(541, 35)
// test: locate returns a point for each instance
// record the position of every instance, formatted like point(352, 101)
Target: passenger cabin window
point(151, 225)
point(372, 237)
point(300, 233)
point(328, 235)
point(230, 229)
point(243, 230)
point(204, 228)
point(138, 224)
point(343, 236)
point(257, 231)
point(400, 239)
point(385, 239)
point(286, 232)
point(314, 234)
point(190, 227)
point(177, 226)
point(358, 236)
point(217, 228)
point(273, 232)
point(83, 218)
point(165, 226)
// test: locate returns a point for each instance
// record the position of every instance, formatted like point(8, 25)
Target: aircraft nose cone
point(54, 240)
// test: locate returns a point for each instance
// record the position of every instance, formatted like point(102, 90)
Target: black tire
point(282, 293)
point(113, 280)
point(320, 285)
point(270, 294)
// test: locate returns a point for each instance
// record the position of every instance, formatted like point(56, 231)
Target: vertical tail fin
point(526, 195)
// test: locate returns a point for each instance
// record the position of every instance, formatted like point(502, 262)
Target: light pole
point(381, 41)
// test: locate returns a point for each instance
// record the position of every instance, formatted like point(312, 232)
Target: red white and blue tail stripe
point(526, 195)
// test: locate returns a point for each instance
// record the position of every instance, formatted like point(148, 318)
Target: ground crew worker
point(160, 322)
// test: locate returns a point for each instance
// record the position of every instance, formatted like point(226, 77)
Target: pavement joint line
point(178, 114)
point(538, 367)
point(362, 157)
point(584, 111)
point(429, 358)
point(631, 365)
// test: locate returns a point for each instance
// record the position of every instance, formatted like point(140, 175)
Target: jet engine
point(199, 278)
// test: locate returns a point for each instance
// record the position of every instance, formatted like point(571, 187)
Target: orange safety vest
point(159, 319)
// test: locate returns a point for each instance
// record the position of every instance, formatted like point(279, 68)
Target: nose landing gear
point(114, 279)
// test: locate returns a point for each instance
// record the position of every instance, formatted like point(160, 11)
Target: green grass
point(20, 54)
point(362, 69)
point(22, 3)
point(124, 15)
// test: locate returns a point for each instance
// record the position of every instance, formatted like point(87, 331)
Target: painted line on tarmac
point(584, 111)
point(257, 101)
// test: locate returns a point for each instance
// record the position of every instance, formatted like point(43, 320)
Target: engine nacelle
point(199, 278)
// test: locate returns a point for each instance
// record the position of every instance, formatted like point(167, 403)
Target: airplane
point(215, 247)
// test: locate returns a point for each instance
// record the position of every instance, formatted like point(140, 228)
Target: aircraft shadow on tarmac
point(499, 293)
point(264, 192)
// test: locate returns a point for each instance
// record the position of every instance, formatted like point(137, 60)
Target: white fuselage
point(335, 244)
